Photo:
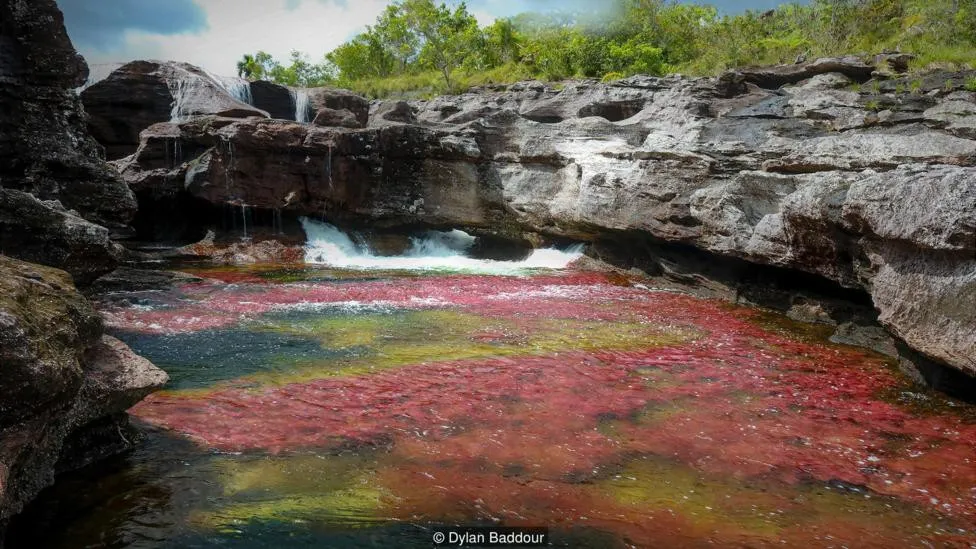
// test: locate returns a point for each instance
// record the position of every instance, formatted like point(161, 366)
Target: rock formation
point(44, 147)
point(62, 382)
point(142, 93)
point(869, 185)
point(64, 386)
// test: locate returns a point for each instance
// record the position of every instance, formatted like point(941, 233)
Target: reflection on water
point(329, 408)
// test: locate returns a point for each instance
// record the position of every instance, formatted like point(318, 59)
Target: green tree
point(445, 36)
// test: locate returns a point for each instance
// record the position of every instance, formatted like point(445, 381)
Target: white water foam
point(435, 251)
point(238, 88)
point(180, 89)
point(299, 97)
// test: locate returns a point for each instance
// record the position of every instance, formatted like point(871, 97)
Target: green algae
point(339, 489)
point(401, 338)
point(762, 509)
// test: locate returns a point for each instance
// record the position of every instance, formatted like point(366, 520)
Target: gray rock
point(46, 233)
point(806, 178)
point(344, 118)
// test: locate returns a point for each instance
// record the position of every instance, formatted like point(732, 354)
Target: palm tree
point(246, 66)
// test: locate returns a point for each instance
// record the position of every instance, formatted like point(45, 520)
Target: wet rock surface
point(60, 376)
point(868, 185)
point(64, 386)
point(142, 93)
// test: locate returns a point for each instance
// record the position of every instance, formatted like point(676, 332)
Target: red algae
point(529, 436)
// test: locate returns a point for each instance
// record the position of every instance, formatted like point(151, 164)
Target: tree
point(446, 36)
point(247, 66)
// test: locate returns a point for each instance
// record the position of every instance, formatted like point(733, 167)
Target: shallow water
point(331, 408)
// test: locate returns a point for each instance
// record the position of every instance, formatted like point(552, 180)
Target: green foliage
point(970, 84)
point(419, 47)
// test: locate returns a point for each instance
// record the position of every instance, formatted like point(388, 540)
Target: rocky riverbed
point(838, 192)
point(832, 169)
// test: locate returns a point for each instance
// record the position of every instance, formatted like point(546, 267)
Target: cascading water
point(180, 90)
point(238, 88)
point(435, 251)
point(299, 97)
point(244, 217)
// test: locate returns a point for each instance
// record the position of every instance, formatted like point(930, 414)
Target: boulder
point(339, 100)
point(394, 111)
point(142, 93)
point(278, 101)
point(44, 232)
point(336, 118)
point(61, 378)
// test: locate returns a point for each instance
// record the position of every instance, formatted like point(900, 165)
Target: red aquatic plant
point(740, 401)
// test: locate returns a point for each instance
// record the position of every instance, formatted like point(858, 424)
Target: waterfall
point(244, 217)
point(434, 251)
point(238, 88)
point(299, 97)
point(277, 225)
point(180, 91)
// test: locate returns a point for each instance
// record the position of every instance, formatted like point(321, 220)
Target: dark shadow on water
point(199, 359)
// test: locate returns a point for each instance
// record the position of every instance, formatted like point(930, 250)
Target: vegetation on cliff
point(422, 47)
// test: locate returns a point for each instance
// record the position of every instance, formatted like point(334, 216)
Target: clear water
point(326, 407)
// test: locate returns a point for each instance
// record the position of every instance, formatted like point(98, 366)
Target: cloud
point(214, 34)
point(102, 25)
point(234, 28)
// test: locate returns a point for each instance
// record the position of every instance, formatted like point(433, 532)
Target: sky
point(214, 34)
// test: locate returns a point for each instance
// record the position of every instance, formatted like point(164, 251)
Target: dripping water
point(244, 217)
point(238, 88)
point(328, 167)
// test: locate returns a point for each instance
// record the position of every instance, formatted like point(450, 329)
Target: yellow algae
point(306, 487)
point(757, 507)
point(655, 484)
point(291, 474)
point(389, 340)
point(355, 505)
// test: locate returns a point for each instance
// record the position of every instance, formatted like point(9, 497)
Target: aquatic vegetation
point(567, 399)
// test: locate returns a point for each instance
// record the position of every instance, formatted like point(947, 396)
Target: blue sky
point(215, 33)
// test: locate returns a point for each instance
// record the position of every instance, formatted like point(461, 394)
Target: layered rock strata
point(867, 184)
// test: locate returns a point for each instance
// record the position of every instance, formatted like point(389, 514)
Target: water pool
point(329, 408)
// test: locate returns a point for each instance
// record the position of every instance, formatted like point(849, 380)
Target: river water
point(312, 406)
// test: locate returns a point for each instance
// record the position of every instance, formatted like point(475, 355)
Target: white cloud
point(236, 28)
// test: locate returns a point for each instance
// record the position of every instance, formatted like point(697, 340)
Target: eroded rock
point(60, 375)
point(812, 177)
